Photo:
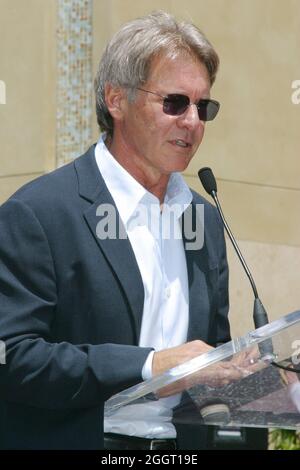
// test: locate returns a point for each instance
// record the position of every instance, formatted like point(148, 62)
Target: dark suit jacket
point(71, 307)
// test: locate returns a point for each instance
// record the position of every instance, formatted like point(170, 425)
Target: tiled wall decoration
point(74, 79)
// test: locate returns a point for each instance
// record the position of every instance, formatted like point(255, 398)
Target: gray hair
point(127, 58)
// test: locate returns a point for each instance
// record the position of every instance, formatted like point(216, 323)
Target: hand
point(218, 375)
point(172, 357)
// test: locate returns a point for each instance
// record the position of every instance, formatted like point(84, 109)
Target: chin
point(181, 165)
point(176, 169)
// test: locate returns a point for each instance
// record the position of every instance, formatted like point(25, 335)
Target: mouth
point(180, 143)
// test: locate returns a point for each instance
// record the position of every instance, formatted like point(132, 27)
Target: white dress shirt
point(155, 237)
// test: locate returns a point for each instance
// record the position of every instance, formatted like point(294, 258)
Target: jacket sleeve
point(39, 372)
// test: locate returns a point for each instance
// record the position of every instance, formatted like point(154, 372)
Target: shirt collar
point(128, 193)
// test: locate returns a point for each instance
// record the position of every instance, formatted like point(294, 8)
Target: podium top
point(260, 389)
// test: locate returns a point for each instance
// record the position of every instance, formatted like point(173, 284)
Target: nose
point(190, 118)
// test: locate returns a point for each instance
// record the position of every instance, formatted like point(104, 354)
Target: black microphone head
point(208, 180)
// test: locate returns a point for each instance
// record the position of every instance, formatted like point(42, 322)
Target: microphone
point(211, 413)
point(209, 183)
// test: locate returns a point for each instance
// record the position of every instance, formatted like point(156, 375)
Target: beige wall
point(27, 66)
point(276, 272)
point(253, 146)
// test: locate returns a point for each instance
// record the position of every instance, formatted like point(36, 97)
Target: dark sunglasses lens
point(176, 104)
point(208, 109)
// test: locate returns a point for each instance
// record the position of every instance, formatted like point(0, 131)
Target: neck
point(148, 176)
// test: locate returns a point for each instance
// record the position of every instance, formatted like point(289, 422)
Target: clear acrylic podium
point(250, 381)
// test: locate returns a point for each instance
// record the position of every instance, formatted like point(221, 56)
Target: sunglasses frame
point(167, 97)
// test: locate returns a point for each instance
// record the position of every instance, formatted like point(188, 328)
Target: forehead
point(178, 72)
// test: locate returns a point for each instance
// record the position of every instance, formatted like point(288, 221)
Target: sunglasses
point(176, 104)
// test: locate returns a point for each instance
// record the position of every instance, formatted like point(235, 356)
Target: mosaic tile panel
point(74, 79)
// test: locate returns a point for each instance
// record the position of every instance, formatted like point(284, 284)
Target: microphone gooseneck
point(260, 316)
point(209, 183)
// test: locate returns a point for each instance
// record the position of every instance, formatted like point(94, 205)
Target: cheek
point(200, 133)
point(166, 126)
point(146, 122)
point(138, 129)
point(155, 128)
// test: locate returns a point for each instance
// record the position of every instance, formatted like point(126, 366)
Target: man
point(84, 316)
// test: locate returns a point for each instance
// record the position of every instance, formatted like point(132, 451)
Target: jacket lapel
point(117, 251)
point(200, 279)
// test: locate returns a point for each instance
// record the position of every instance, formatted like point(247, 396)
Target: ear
point(115, 99)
